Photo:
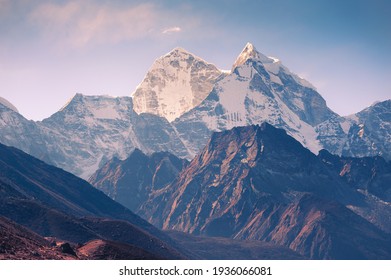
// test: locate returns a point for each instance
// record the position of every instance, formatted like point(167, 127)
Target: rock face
point(52, 202)
point(176, 83)
point(370, 176)
point(259, 183)
point(131, 181)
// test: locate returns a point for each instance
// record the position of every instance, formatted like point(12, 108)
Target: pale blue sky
point(49, 50)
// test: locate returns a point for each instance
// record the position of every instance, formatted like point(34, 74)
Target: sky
point(51, 50)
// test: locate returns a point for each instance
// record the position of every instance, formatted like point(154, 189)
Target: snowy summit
point(250, 52)
point(175, 83)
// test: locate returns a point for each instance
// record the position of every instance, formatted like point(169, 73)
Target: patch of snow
point(275, 79)
point(299, 103)
point(354, 118)
point(275, 60)
point(105, 113)
point(88, 171)
point(345, 125)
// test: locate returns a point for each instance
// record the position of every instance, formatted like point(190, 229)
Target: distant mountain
point(52, 202)
point(131, 181)
point(16, 130)
point(257, 182)
point(175, 83)
point(90, 130)
point(367, 133)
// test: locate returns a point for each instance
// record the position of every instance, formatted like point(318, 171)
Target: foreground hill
point(52, 202)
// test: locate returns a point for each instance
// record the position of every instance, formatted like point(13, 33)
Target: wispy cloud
point(80, 23)
point(171, 30)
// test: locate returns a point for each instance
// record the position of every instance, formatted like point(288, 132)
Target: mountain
point(258, 89)
point(370, 134)
point(131, 181)
point(175, 83)
point(16, 130)
point(52, 202)
point(371, 176)
point(90, 130)
point(256, 182)
point(367, 133)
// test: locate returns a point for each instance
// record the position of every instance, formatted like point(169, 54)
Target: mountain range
point(258, 183)
point(181, 102)
point(198, 163)
point(48, 213)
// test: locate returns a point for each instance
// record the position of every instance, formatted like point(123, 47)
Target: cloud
point(171, 30)
point(81, 23)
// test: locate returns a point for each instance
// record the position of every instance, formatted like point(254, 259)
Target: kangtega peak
point(176, 83)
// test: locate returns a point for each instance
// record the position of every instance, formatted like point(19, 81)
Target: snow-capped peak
point(271, 64)
point(250, 52)
point(175, 83)
point(8, 104)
